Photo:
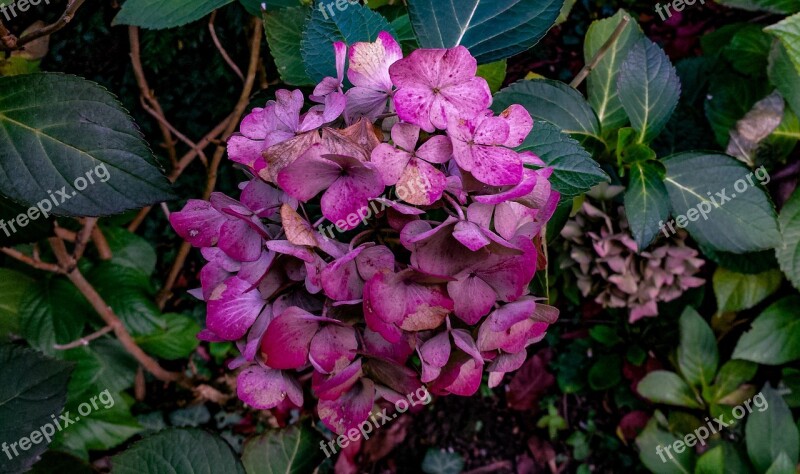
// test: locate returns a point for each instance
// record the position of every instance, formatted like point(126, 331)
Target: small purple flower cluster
point(443, 271)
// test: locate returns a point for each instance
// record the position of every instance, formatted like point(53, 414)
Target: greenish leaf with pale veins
point(13, 286)
point(176, 341)
point(697, 353)
point(658, 461)
point(731, 376)
point(746, 222)
point(292, 450)
point(784, 76)
point(184, 450)
point(773, 6)
point(662, 386)
point(649, 88)
point(723, 458)
point(774, 338)
point(53, 312)
point(158, 14)
point(646, 202)
point(284, 32)
point(770, 431)
point(748, 50)
point(738, 291)
point(602, 81)
point(788, 31)
point(494, 73)
point(788, 252)
point(439, 461)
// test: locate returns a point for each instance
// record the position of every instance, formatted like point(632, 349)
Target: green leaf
point(53, 312)
point(723, 458)
point(490, 29)
point(130, 250)
point(52, 140)
point(731, 376)
point(105, 428)
point(662, 386)
point(774, 338)
point(355, 23)
point(745, 223)
point(773, 6)
point(788, 31)
point(602, 81)
point(574, 170)
point(729, 98)
point(103, 364)
point(158, 14)
point(254, 6)
point(292, 450)
point(33, 231)
point(494, 73)
point(407, 38)
point(646, 202)
point(784, 76)
point(179, 451)
point(697, 353)
point(13, 286)
point(659, 462)
point(648, 88)
point(176, 341)
point(748, 50)
point(554, 102)
point(605, 335)
point(34, 388)
point(606, 372)
point(748, 263)
point(62, 463)
point(439, 461)
point(122, 289)
point(284, 32)
point(737, 291)
point(771, 431)
point(788, 252)
point(782, 465)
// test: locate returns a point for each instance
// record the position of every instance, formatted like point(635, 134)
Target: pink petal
point(519, 123)
point(414, 104)
point(198, 223)
point(461, 376)
point(286, 342)
point(377, 346)
point(350, 193)
point(374, 260)
point(511, 313)
point(350, 410)
point(492, 131)
point(365, 102)
point(420, 184)
point(405, 136)
point(308, 175)
point(333, 348)
point(264, 388)
point(232, 308)
point(390, 162)
point(239, 241)
point(493, 165)
point(341, 280)
point(471, 235)
point(369, 62)
point(438, 149)
point(331, 387)
point(434, 354)
point(473, 298)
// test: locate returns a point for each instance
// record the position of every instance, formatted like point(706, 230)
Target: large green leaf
point(602, 81)
point(788, 31)
point(284, 32)
point(773, 6)
point(784, 76)
point(574, 170)
point(33, 231)
point(158, 14)
point(102, 365)
point(130, 250)
point(748, 50)
point(646, 202)
point(292, 450)
point(771, 431)
point(353, 24)
point(745, 223)
point(53, 312)
point(648, 88)
point(13, 285)
point(104, 428)
point(176, 341)
point(788, 252)
point(180, 451)
point(697, 354)
point(657, 460)
point(723, 458)
point(554, 102)
point(490, 29)
point(730, 377)
point(122, 290)
point(34, 388)
point(254, 6)
point(774, 338)
point(662, 386)
point(748, 263)
point(52, 139)
point(738, 291)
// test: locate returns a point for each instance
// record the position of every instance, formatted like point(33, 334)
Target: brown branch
point(101, 244)
point(7, 39)
point(66, 234)
point(111, 319)
point(84, 341)
point(83, 237)
point(35, 263)
point(238, 110)
point(589, 67)
point(163, 121)
point(11, 43)
point(219, 46)
point(147, 93)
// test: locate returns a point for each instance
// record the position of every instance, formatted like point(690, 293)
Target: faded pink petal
point(350, 410)
point(265, 388)
point(286, 342)
point(232, 308)
point(198, 223)
point(333, 348)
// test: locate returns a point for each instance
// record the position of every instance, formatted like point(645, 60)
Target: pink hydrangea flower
point(369, 73)
point(435, 85)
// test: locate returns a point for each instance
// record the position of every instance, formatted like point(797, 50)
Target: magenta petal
point(308, 175)
point(519, 123)
point(390, 162)
point(350, 410)
point(286, 342)
point(350, 193)
point(374, 260)
point(463, 340)
point(473, 298)
point(461, 376)
point(232, 308)
point(211, 275)
point(495, 166)
point(511, 313)
point(239, 241)
point(263, 199)
point(414, 105)
point(333, 348)
point(264, 388)
point(369, 62)
point(376, 345)
point(256, 332)
point(492, 131)
point(434, 354)
point(438, 149)
point(503, 364)
point(421, 184)
point(198, 223)
point(405, 136)
point(340, 279)
point(471, 235)
point(331, 387)
point(364, 102)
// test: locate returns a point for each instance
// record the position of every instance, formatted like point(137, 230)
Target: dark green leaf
point(13, 285)
point(729, 98)
point(494, 73)
point(158, 14)
point(731, 376)
point(748, 50)
point(12, 233)
point(102, 365)
point(772, 6)
point(748, 263)
point(34, 388)
point(771, 431)
point(284, 32)
point(439, 461)
point(697, 354)
point(52, 140)
point(606, 372)
point(784, 76)
point(774, 338)
point(646, 202)
point(724, 458)
point(122, 288)
point(662, 386)
point(355, 23)
point(788, 31)
point(292, 450)
point(745, 223)
point(176, 341)
point(130, 250)
point(53, 312)
point(62, 463)
point(178, 450)
point(648, 88)
point(254, 6)
point(657, 460)
point(490, 29)
point(192, 416)
point(782, 465)
point(788, 252)
point(574, 170)
point(737, 291)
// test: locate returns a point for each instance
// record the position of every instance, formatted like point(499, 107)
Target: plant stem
point(589, 67)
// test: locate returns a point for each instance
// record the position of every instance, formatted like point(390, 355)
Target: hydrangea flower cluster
point(606, 262)
point(441, 272)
